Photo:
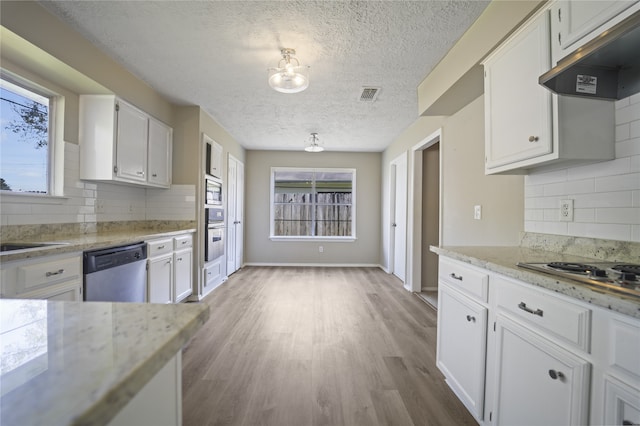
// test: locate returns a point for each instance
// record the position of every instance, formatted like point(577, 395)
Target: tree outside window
point(24, 145)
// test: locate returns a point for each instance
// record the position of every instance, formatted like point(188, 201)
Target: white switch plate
point(566, 210)
point(477, 212)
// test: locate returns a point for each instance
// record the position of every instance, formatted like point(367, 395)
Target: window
point(316, 203)
point(26, 147)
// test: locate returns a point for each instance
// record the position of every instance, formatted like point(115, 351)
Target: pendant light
point(313, 145)
point(289, 76)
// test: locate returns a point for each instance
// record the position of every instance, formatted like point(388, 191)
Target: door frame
point(414, 210)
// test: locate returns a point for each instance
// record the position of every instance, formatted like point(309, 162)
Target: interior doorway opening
point(426, 217)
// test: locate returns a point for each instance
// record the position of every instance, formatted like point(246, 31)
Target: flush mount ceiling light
point(289, 76)
point(314, 144)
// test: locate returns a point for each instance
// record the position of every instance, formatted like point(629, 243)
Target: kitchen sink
point(24, 246)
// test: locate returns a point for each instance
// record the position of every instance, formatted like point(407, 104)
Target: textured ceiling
point(216, 53)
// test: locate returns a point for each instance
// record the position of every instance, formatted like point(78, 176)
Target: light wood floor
point(316, 346)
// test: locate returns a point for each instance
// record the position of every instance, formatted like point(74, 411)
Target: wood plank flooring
point(316, 346)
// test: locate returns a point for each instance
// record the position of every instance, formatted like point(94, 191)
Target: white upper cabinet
point(527, 126)
point(120, 143)
point(159, 153)
point(575, 22)
point(131, 142)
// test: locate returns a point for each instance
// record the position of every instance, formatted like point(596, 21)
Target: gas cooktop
point(614, 276)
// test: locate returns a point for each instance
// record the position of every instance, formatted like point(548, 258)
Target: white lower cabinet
point(518, 354)
point(537, 382)
point(461, 346)
point(55, 277)
point(170, 269)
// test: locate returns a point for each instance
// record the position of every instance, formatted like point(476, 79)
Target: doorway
point(425, 217)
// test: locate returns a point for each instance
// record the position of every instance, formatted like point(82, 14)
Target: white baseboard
point(320, 265)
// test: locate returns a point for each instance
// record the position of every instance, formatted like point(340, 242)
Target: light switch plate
point(477, 212)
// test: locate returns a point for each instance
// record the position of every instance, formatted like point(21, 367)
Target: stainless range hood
point(607, 67)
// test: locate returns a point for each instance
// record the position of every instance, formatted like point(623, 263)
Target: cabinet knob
point(155, 175)
point(556, 374)
point(140, 173)
point(471, 319)
point(533, 139)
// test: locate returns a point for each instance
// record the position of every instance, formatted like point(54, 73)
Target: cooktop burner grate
point(572, 267)
point(627, 269)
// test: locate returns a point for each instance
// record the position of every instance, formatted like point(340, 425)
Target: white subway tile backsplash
point(628, 148)
point(629, 215)
point(629, 181)
point(606, 195)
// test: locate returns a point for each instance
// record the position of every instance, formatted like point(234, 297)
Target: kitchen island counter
point(503, 260)
point(82, 362)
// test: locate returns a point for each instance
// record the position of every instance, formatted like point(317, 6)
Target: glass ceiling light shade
point(314, 144)
point(289, 76)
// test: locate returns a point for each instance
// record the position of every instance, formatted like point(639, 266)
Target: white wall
point(606, 195)
point(259, 249)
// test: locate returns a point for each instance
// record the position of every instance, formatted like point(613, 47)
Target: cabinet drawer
point(31, 276)
point(158, 247)
point(565, 320)
point(473, 282)
point(182, 241)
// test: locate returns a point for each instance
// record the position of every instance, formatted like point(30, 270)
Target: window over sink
point(313, 203)
point(28, 143)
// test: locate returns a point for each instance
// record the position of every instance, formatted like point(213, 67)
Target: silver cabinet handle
point(471, 319)
point(524, 307)
point(141, 173)
point(184, 242)
point(58, 272)
point(556, 374)
point(456, 277)
point(160, 247)
point(533, 138)
point(179, 259)
point(155, 175)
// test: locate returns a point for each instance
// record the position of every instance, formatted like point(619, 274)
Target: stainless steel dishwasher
point(116, 274)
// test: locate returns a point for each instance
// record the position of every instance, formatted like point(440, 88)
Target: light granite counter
point(503, 260)
point(82, 362)
point(89, 241)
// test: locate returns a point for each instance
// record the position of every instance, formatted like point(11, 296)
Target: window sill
point(314, 239)
point(26, 197)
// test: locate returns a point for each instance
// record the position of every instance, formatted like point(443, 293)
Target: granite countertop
point(503, 260)
point(82, 362)
point(89, 241)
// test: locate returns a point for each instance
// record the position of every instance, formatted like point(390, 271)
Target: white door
point(235, 210)
point(399, 216)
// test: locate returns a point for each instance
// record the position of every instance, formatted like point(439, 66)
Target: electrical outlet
point(477, 212)
point(320, 249)
point(566, 210)
point(130, 208)
point(99, 206)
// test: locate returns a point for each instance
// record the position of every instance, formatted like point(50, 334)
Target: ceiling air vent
point(369, 94)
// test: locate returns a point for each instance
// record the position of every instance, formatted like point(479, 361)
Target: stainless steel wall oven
point(213, 192)
point(214, 233)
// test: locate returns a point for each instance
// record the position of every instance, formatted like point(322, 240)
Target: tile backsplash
point(606, 195)
point(90, 203)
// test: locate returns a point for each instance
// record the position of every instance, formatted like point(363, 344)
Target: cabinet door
point(160, 278)
point(622, 403)
point(577, 18)
point(518, 111)
point(160, 148)
point(131, 143)
point(216, 160)
point(537, 382)
point(182, 274)
point(462, 328)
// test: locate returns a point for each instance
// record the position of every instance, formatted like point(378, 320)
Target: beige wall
point(430, 214)
point(260, 249)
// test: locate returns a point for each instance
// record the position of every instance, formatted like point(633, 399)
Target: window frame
point(55, 143)
point(273, 237)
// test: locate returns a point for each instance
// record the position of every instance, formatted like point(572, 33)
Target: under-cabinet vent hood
point(607, 67)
